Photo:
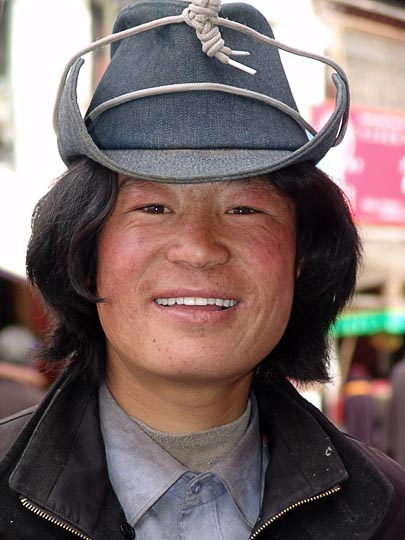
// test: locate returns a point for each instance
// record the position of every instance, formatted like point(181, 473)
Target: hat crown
point(173, 55)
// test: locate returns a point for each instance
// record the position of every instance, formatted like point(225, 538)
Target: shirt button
point(127, 531)
point(196, 488)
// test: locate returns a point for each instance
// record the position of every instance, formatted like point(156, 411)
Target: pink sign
point(369, 164)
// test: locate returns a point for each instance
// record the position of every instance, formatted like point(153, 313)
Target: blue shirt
point(162, 498)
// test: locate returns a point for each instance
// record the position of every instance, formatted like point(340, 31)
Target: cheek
point(273, 255)
point(119, 256)
point(273, 272)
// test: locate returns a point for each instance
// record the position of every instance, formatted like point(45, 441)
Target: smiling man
point(201, 276)
point(193, 258)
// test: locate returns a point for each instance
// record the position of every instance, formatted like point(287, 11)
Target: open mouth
point(193, 301)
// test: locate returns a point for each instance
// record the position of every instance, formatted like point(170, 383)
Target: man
point(397, 407)
point(193, 258)
point(21, 384)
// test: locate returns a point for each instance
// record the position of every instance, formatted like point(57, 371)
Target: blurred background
point(367, 37)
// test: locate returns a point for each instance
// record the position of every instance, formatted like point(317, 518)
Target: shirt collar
point(129, 448)
point(154, 471)
point(243, 469)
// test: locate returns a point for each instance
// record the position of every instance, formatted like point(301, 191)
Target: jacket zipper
point(48, 517)
point(293, 507)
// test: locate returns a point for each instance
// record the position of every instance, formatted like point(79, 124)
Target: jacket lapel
point(71, 451)
point(310, 460)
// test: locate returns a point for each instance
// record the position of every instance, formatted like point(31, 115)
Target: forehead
point(254, 185)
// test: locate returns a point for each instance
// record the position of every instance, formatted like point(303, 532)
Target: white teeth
point(196, 301)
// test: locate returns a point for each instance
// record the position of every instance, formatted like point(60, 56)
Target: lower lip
point(197, 314)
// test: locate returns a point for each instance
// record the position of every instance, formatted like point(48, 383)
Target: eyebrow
point(126, 182)
point(258, 183)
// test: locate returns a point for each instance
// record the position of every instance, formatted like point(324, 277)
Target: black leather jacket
point(320, 484)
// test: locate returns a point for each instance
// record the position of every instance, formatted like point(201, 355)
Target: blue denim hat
point(174, 104)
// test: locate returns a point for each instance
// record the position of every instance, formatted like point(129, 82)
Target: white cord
point(202, 15)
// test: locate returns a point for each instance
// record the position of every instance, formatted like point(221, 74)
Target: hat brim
point(188, 165)
point(192, 166)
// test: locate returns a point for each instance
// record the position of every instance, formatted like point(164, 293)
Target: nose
point(198, 245)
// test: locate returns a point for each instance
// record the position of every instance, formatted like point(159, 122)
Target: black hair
point(328, 259)
point(62, 264)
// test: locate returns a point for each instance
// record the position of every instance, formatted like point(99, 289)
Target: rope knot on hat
point(202, 15)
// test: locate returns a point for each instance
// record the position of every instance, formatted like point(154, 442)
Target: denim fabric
point(161, 498)
point(194, 120)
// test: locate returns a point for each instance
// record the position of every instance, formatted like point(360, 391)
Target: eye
point(242, 210)
point(155, 209)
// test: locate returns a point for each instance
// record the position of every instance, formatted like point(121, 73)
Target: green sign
point(369, 323)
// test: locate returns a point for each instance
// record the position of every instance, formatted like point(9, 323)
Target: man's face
point(197, 279)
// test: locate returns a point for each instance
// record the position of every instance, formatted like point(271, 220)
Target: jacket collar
point(309, 457)
point(70, 449)
point(302, 455)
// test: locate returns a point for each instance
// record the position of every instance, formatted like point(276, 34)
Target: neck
point(178, 407)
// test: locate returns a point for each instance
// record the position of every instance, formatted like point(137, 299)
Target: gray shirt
point(162, 498)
